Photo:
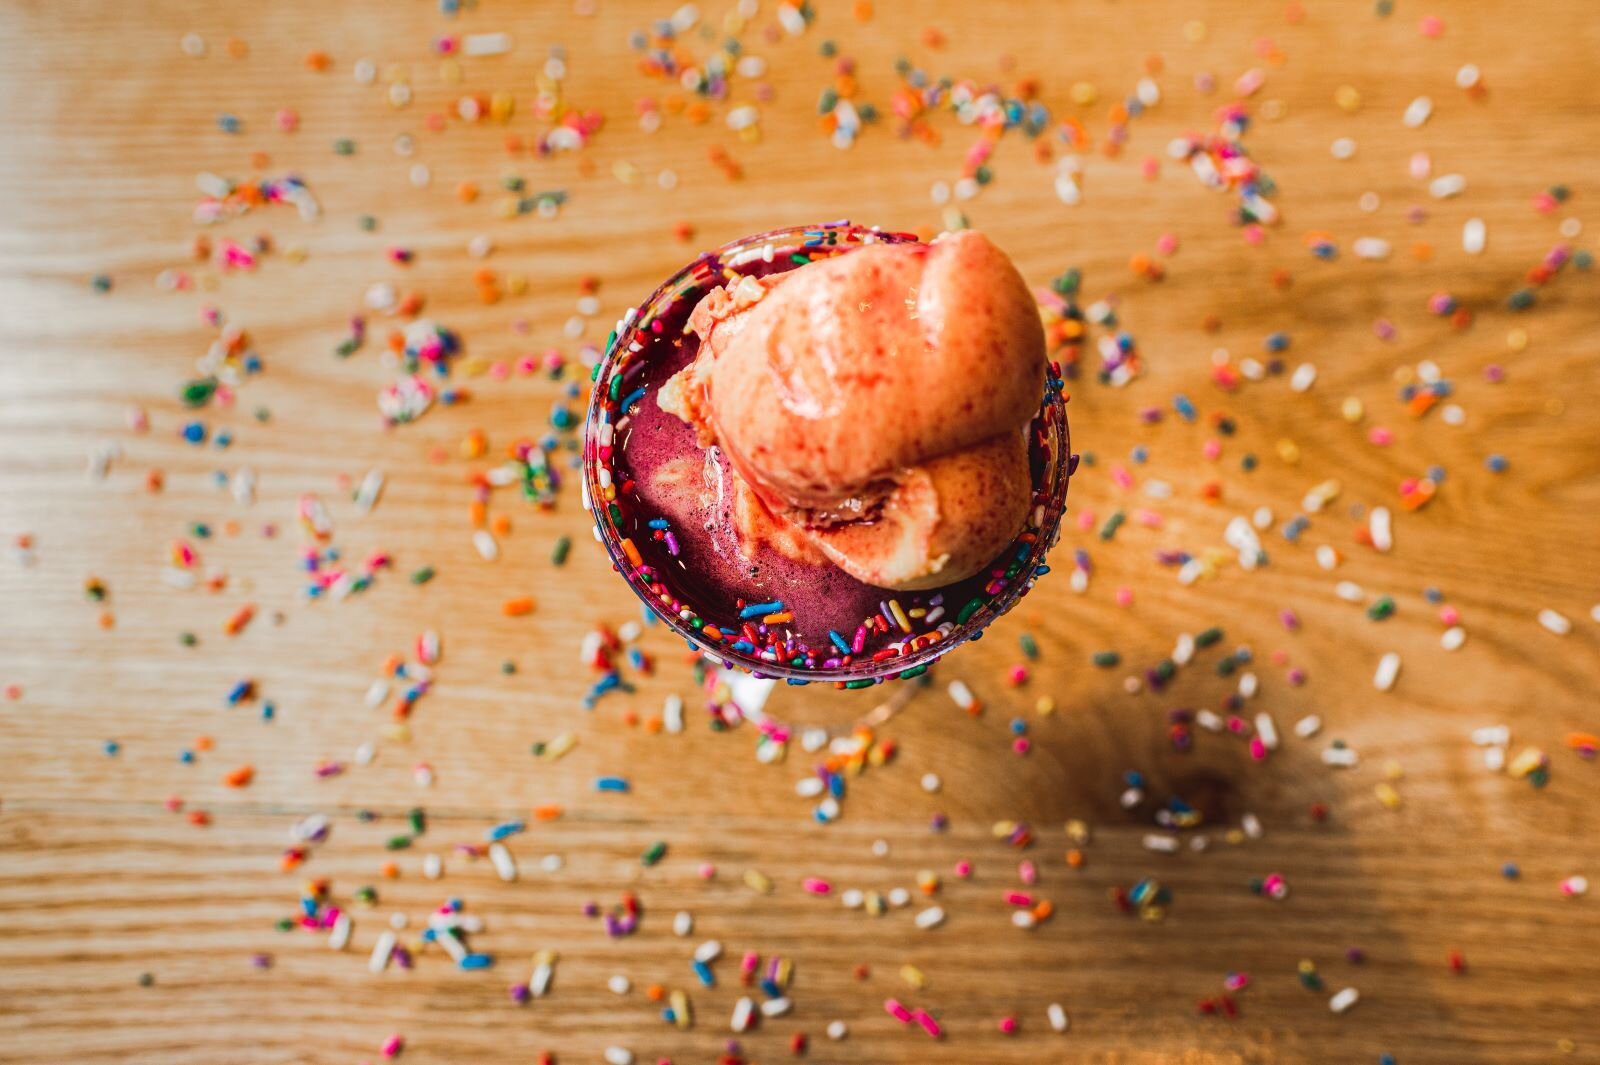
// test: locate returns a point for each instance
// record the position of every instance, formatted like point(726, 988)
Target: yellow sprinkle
point(516, 284)
point(1233, 837)
point(1003, 828)
point(474, 366)
point(398, 733)
point(917, 612)
point(1404, 375)
point(625, 172)
point(1273, 110)
point(450, 72)
point(784, 974)
point(757, 882)
point(1387, 795)
point(913, 976)
point(560, 746)
point(1045, 706)
point(1194, 31)
point(1530, 759)
point(1565, 1045)
point(1083, 92)
point(501, 106)
point(544, 957)
point(1393, 771)
point(680, 1010)
point(1517, 339)
point(873, 904)
point(1352, 410)
point(1289, 451)
point(1078, 831)
point(1154, 914)
point(899, 613)
point(1306, 966)
point(1348, 98)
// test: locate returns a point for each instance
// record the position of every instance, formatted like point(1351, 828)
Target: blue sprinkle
point(194, 432)
point(1276, 342)
point(1436, 474)
point(755, 610)
point(1510, 871)
point(1141, 454)
point(1133, 778)
point(1496, 463)
point(186, 757)
point(112, 747)
point(504, 829)
point(703, 971)
point(770, 987)
point(836, 785)
point(659, 523)
point(668, 1016)
point(633, 397)
point(228, 123)
point(268, 711)
point(1433, 595)
point(477, 961)
point(610, 784)
point(1184, 407)
point(839, 642)
point(1018, 726)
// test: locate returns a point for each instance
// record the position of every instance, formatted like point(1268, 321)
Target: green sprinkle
point(970, 609)
point(1381, 609)
point(1030, 646)
point(398, 843)
point(1113, 523)
point(283, 924)
point(614, 390)
point(537, 750)
point(858, 684)
point(798, 258)
point(1166, 669)
point(654, 854)
point(367, 223)
point(344, 146)
point(914, 671)
point(198, 393)
point(558, 557)
point(1106, 659)
point(423, 575)
point(188, 639)
point(1521, 299)
point(1208, 637)
point(508, 667)
point(1226, 666)
point(419, 821)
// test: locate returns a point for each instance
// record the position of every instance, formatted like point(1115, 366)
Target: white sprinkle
point(1340, 757)
point(480, 247)
point(813, 740)
point(776, 1007)
point(1308, 726)
point(1209, 721)
point(544, 970)
point(1262, 518)
point(1343, 148)
point(1418, 113)
point(174, 577)
point(751, 66)
point(1023, 919)
point(339, 938)
point(793, 21)
point(880, 848)
point(743, 117)
point(1467, 76)
point(1381, 528)
point(1447, 185)
point(1492, 736)
point(808, 787)
point(1327, 557)
point(243, 486)
point(672, 714)
point(433, 867)
point(1251, 825)
point(962, 695)
point(380, 953)
point(1570, 227)
point(837, 1030)
point(619, 1056)
point(709, 951)
point(1388, 670)
point(899, 897)
point(486, 44)
point(1267, 729)
point(420, 175)
point(1428, 372)
point(1573, 886)
point(1161, 844)
point(552, 863)
point(1349, 591)
point(1373, 249)
point(1452, 638)
point(1344, 1000)
point(366, 71)
point(1131, 798)
point(1557, 623)
point(1474, 236)
point(1369, 202)
point(852, 898)
point(1183, 650)
point(371, 488)
point(930, 782)
point(504, 865)
point(932, 917)
point(1452, 414)
point(484, 541)
point(193, 45)
point(683, 923)
point(1305, 375)
point(743, 1010)
point(619, 984)
point(1248, 686)
point(1494, 759)
point(1078, 582)
point(1058, 1017)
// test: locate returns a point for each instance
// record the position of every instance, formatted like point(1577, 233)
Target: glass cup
point(710, 627)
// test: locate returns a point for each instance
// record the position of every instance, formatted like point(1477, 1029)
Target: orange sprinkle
point(1421, 402)
point(516, 608)
point(501, 524)
point(652, 724)
point(548, 812)
point(862, 10)
point(107, 619)
point(1583, 740)
point(467, 191)
point(236, 624)
point(655, 993)
point(1075, 858)
point(632, 552)
point(318, 61)
point(204, 743)
point(197, 817)
point(237, 48)
point(778, 618)
point(1043, 911)
point(241, 777)
point(480, 513)
point(391, 871)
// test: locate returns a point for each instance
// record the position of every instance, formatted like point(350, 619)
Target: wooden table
point(131, 934)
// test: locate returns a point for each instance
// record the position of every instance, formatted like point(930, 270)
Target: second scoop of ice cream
point(878, 402)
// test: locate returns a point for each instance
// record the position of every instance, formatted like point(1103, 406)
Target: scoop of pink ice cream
point(877, 400)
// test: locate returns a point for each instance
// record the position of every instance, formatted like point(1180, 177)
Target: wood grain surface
point(105, 126)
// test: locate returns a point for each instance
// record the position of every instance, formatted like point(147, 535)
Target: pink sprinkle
point(287, 120)
point(1384, 329)
point(499, 370)
point(1290, 619)
point(1258, 750)
point(1022, 745)
point(1250, 81)
point(1494, 373)
point(1150, 169)
point(1280, 657)
point(707, 871)
point(1019, 898)
point(963, 869)
point(1086, 520)
point(1380, 436)
point(1124, 596)
point(816, 886)
point(1017, 675)
point(393, 1045)
point(1008, 1025)
point(1150, 519)
point(1121, 475)
point(1236, 725)
point(1212, 449)
point(1449, 615)
point(1027, 872)
point(1167, 243)
point(929, 1025)
point(1297, 676)
point(897, 1011)
point(1254, 234)
point(1431, 26)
